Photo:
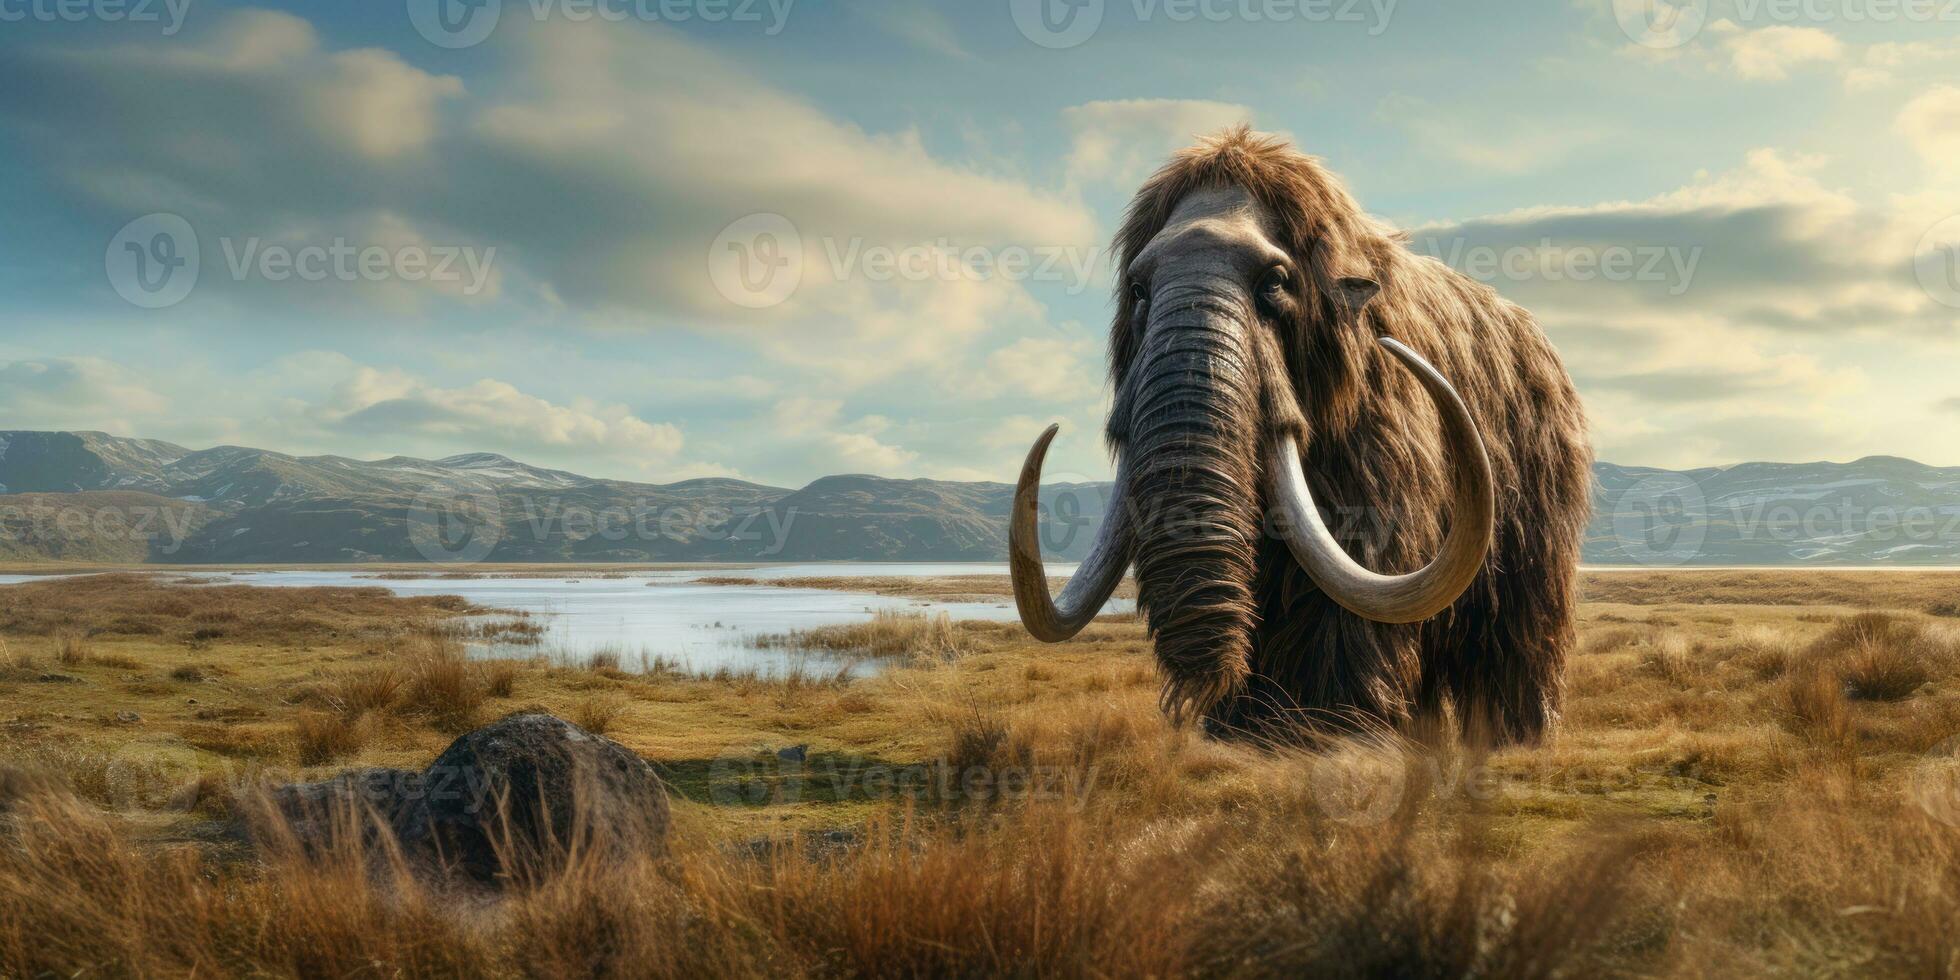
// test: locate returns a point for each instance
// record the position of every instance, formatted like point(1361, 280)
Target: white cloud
point(1864, 79)
point(848, 445)
point(1769, 53)
point(76, 393)
point(1048, 368)
point(750, 148)
point(1931, 123)
point(256, 129)
point(489, 414)
point(1765, 349)
point(1120, 141)
point(382, 107)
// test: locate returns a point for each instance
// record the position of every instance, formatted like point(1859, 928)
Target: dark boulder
point(518, 795)
point(316, 817)
point(509, 800)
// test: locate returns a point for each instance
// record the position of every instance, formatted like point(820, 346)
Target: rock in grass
point(506, 801)
point(317, 817)
point(546, 785)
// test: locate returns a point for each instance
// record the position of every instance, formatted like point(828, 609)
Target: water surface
point(669, 615)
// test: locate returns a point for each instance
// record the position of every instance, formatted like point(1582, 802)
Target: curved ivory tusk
point(1421, 594)
point(1083, 597)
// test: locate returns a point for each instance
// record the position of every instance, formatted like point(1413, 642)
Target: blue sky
point(1732, 219)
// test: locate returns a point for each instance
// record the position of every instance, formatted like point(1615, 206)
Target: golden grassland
point(1752, 777)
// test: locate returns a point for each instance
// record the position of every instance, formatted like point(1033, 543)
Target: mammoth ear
point(1343, 275)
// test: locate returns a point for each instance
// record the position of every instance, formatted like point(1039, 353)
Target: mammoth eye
point(1275, 281)
point(1136, 292)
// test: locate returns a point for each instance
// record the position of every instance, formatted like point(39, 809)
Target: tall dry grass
point(1049, 888)
point(889, 633)
point(322, 738)
point(442, 684)
point(1733, 793)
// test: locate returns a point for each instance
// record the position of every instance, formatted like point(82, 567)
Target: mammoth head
point(1243, 321)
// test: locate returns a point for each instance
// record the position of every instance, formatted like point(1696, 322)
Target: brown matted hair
point(1372, 446)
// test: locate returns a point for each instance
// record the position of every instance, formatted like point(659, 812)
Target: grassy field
point(1753, 776)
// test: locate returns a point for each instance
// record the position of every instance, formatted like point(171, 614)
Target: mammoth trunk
point(1193, 441)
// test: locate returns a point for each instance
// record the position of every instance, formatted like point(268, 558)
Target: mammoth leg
point(1500, 663)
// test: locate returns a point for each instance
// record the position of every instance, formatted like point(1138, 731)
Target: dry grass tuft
point(375, 689)
point(1674, 661)
point(500, 678)
point(889, 633)
point(1814, 707)
point(598, 713)
point(443, 686)
point(324, 738)
point(71, 648)
point(1880, 671)
point(605, 663)
point(18, 666)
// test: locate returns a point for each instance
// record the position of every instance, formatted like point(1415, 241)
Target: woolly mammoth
point(1352, 481)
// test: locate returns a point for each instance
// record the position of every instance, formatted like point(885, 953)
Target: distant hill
point(89, 496)
point(1880, 510)
point(255, 505)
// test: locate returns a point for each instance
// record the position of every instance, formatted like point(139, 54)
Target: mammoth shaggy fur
point(1292, 661)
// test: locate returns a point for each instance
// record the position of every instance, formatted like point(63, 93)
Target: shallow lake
point(667, 614)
